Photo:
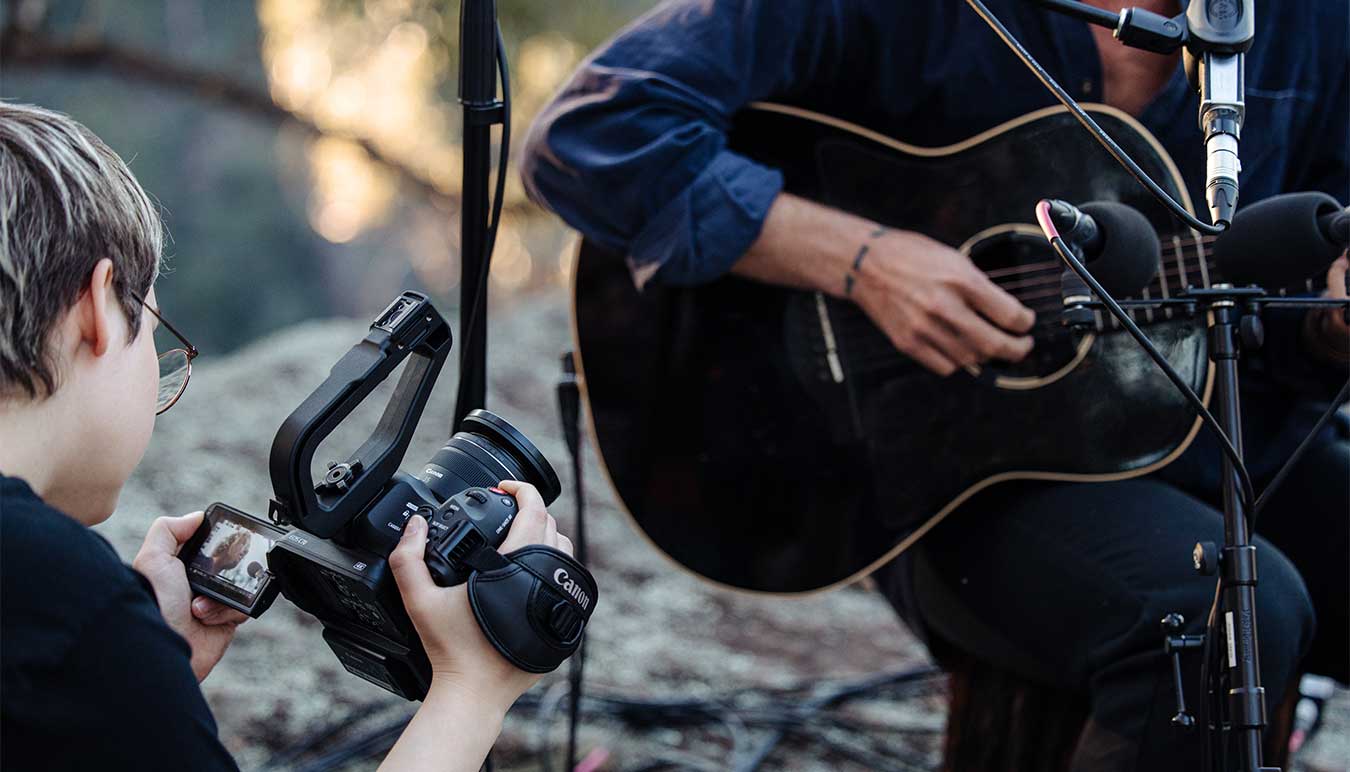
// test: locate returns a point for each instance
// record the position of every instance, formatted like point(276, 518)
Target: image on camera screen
point(233, 559)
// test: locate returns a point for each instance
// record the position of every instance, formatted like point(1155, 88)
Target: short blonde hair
point(66, 202)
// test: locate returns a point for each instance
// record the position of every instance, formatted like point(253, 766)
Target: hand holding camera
point(458, 650)
point(206, 624)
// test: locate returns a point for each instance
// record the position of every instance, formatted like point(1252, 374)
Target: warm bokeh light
point(349, 192)
point(299, 72)
point(380, 71)
point(363, 72)
point(512, 263)
point(543, 62)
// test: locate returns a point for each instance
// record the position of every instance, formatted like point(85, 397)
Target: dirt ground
point(657, 632)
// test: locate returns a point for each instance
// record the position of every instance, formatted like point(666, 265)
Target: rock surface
point(657, 632)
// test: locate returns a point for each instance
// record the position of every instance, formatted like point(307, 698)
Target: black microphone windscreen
point(1130, 249)
point(1277, 243)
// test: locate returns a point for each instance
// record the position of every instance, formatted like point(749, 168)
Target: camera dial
point(475, 519)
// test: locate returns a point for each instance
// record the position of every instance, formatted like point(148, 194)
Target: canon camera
point(326, 548)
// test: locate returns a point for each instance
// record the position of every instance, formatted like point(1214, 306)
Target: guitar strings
point(1041, 281)
point(1052, 281)
point(1168, 250)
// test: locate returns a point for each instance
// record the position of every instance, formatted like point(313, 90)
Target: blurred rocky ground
point(657, 632)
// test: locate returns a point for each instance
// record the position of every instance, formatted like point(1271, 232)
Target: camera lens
point(486, 450)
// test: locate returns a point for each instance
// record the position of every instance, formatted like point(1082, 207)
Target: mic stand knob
point(1205, 557)
point(1174, 642)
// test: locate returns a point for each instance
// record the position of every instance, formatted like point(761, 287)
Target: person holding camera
point(101, 661)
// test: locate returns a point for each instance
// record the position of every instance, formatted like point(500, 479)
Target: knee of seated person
point(1286, 622)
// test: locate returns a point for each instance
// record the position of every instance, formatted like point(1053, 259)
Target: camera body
point(352, 590)
point(332, 560)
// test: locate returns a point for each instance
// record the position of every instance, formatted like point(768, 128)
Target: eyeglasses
point(175, 365)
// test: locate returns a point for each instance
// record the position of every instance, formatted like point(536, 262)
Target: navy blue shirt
point(91, 675)
point(633, 151)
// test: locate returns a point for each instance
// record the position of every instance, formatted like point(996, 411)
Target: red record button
point(498, 490)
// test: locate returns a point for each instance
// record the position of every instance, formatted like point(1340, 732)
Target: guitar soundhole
point(1018, 260)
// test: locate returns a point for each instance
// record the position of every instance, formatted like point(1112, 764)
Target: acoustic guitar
point(774, 440)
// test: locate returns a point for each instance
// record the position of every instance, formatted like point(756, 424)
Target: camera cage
point(409, 327)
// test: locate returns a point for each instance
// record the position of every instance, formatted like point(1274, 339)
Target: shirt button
point(1087, 87)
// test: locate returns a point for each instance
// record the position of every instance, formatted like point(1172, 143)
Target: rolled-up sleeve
point(633, 151)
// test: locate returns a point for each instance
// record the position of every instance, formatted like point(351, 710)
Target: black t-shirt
point(91, 677)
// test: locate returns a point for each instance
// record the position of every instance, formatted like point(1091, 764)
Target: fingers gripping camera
point(532, 604)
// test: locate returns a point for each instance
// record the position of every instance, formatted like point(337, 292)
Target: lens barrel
point(486, 450)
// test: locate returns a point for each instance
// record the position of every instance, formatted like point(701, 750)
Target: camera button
point(477, 496)
point(508, 501)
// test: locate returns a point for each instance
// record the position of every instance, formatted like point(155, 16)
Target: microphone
point(1218, 36)
point(1282, 241)
point(1117, 245)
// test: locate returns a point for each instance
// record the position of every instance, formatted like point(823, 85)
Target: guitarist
point(1062, 583)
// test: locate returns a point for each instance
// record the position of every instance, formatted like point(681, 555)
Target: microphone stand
point(1235, 327)
point(482, 109)
point(1216, 36)
point(1229, 333)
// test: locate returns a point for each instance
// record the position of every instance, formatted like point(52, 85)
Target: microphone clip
point(1076, 296)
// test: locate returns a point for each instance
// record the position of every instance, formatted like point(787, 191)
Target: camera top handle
point(410, 326)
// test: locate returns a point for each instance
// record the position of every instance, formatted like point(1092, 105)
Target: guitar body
point(772, 440)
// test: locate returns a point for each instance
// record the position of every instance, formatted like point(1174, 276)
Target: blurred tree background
point(305, 152)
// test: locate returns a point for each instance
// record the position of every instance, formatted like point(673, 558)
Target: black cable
point(1207, 706)
point(1083, 12)
point(504, 151)
point(868, 759)
point(364, 746)
point(1294, 457)
point(820, 703)
point(281, 759)
point(666, 762)
point(569, 399)
point(780, 710)
point(1086, 120)
point(1065, 254)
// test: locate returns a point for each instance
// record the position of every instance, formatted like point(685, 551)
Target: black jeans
point(1066, 584)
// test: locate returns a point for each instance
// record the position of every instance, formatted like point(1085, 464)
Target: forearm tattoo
point(851, 277)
